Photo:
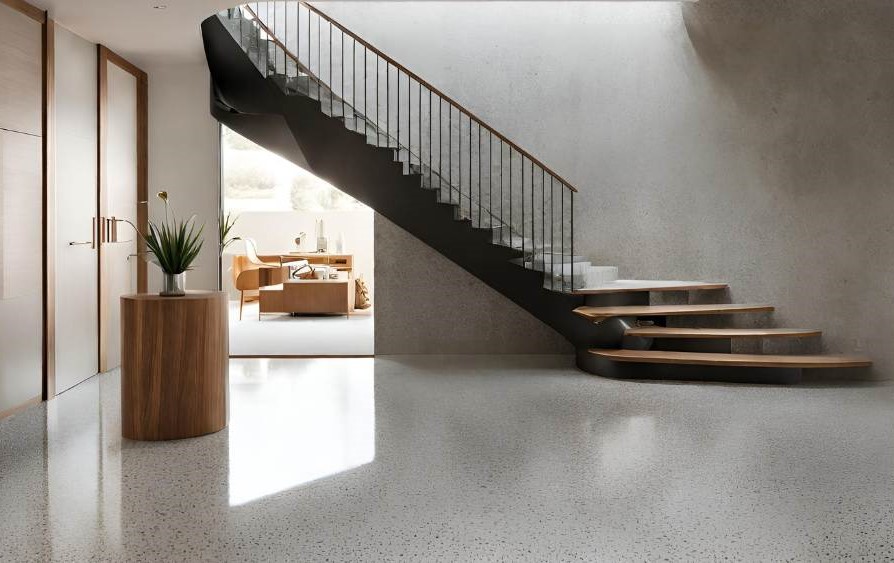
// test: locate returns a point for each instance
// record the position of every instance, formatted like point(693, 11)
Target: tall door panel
point(21, 208)
point(21, 259)
point(77, 308)
point(118, 200)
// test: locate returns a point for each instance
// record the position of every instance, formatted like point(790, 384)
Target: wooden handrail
point(415, 77)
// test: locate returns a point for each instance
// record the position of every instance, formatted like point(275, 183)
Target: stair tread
point(665, 332)
point(735, 360)
point(620, 286)
point(599, 313)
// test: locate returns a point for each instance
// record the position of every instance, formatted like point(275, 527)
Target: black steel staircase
point(298, 83)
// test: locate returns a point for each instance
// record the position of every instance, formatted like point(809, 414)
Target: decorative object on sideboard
point(173, 245)
point(298, 240)
point(361, 294)
point(340, 244)
point(300, 269)
point(322, 241)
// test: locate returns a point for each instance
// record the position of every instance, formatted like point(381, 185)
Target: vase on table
point(174, 285)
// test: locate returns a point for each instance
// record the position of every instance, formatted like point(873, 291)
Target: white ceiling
point(137, 31)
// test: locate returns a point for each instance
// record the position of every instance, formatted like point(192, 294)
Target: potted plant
point(173, 245)
point(225, 224)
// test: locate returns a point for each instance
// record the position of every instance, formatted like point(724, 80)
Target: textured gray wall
point(751, 142)
point(426, 304)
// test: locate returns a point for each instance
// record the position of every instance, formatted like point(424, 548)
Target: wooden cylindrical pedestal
point(174, 365)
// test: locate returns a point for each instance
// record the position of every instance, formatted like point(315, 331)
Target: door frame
point(106, 56)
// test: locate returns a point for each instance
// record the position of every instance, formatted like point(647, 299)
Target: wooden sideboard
point(341, 262)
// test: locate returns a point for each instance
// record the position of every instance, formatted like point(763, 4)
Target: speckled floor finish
point(458, 459)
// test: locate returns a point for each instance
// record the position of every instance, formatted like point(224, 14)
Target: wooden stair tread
point(601, 313)
point(732, 360)
point(621, 286)
point(707, 333)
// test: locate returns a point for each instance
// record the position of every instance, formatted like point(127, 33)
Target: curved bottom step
point(733, 360)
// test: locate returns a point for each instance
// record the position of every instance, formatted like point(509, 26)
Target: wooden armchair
point(251, 273)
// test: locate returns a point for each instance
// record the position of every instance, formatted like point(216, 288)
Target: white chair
point(251, 251)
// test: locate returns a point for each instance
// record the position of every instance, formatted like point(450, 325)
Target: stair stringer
point(370, 174)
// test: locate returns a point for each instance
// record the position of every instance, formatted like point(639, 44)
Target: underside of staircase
point(270, 84)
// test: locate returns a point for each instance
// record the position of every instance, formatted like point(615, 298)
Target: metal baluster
point(409, 121)
point(431, 143)
point(365, 94)
point(377, 100)
point(343, 113)
point(387, 105)
point(320, 59)
point(490, 178)
point(470, 167)
point(308, 50)
point(562, 204)
point(552, 234)
point(510, 194)
point(450, 148)
point(419, 96)
point(543, 212)
point(502, 223)
point(330, 69)
point(298, 62)
point(479, 176)
point(533, 238)
point(571, 195)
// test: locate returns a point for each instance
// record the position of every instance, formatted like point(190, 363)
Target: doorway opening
point(299, 274)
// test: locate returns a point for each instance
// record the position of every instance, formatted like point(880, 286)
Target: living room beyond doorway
point(298, 263)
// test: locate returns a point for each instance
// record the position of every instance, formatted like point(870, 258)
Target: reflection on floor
point(284, 335)
point(461, 459)
point(323, 414)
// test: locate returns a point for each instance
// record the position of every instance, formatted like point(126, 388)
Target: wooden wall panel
point(21, 237)
point(22, 358)
point(21, 72)
point(21, 269)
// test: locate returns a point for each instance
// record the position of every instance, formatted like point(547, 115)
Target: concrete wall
point(744, 141)
point(184, 158)
point(426, 304)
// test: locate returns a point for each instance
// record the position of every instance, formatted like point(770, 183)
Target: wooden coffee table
point(321, 297)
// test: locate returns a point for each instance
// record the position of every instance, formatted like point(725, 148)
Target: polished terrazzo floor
point(458, 459)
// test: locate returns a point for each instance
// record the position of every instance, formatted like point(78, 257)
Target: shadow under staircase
point(300, 84)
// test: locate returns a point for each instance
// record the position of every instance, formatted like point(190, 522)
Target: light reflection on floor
point(291, 426)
